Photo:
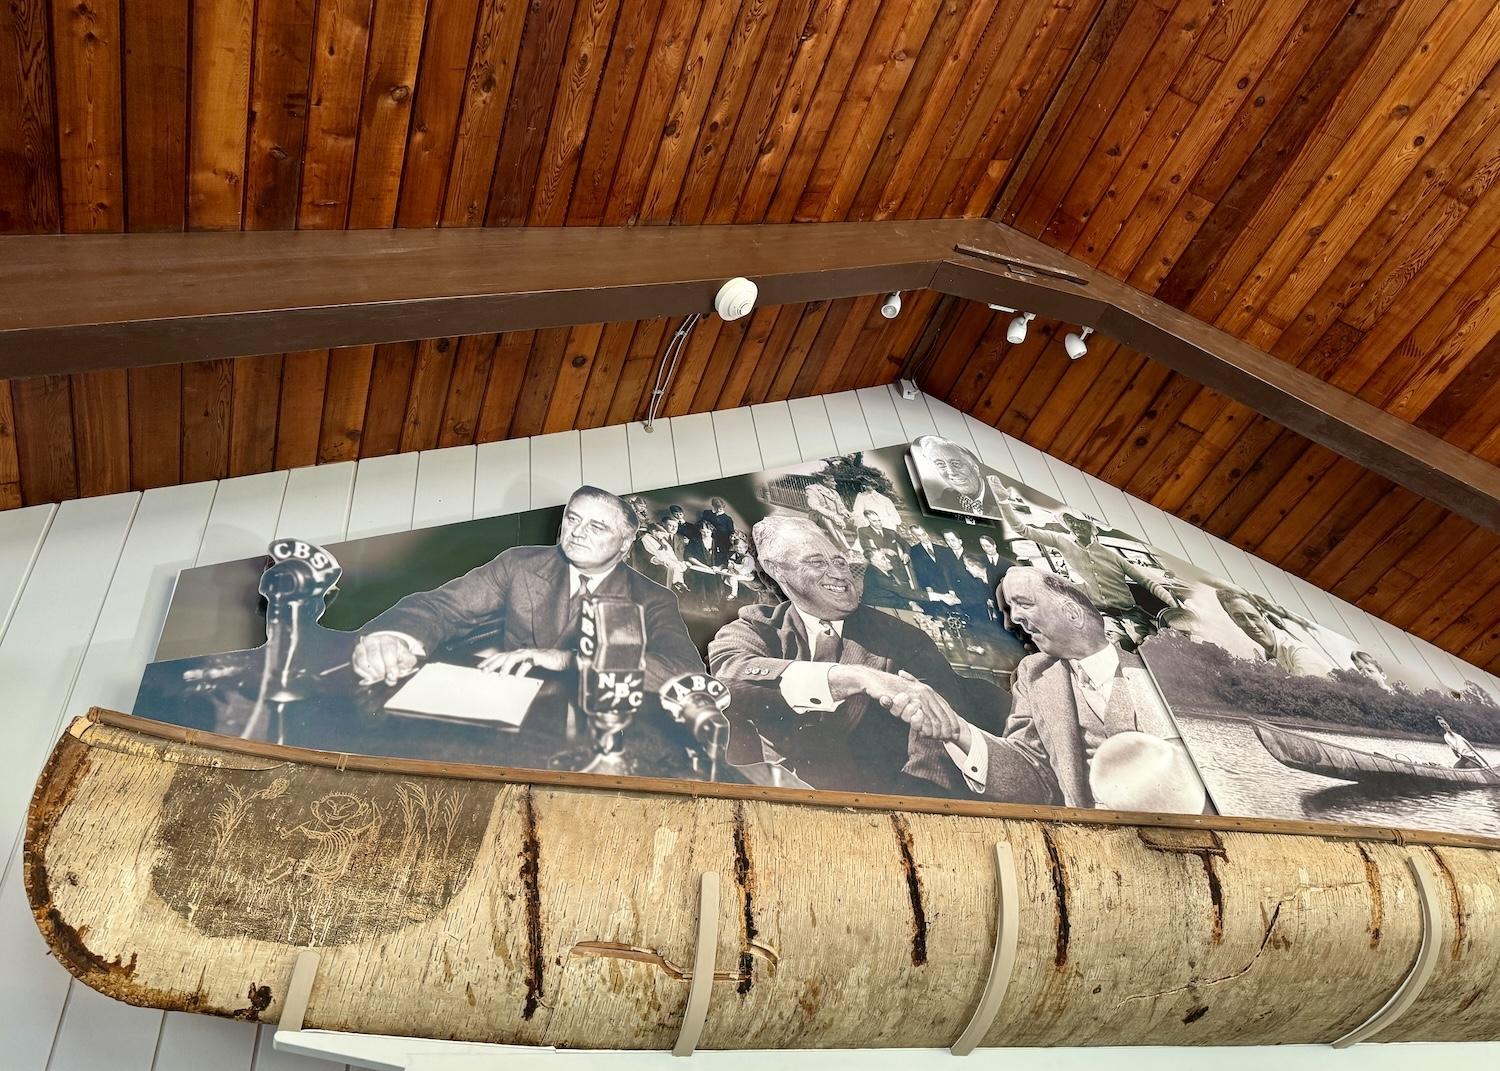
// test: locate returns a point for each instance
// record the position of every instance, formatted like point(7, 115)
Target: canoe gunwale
point(1402, 768)
point(809, 797)
point(98, 750)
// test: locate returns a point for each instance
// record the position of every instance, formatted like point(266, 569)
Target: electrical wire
point(668, 367)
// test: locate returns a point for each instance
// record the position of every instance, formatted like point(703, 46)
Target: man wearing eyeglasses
point(534, 596)
point(835, 689)
point(952, 477)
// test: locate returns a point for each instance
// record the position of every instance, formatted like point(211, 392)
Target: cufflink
point(814, 700)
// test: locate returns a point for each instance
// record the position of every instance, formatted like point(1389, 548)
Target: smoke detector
point(735, 298)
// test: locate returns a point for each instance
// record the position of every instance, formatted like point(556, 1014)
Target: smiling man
point(835, 688)
point(1292, 655)
point(533, 597)
point(952, 476)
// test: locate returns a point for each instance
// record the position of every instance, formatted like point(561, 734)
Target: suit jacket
point(953, 568)
point(886, 540)
point(1041, 757)
point(524, 591)
point(860, 746)
point(723, 523)
point(929, 569)
point(891, 592)
point(995, 571)
point(715, 555)
point(974, 596)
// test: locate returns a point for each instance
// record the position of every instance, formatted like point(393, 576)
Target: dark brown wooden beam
point(83, 302)
point(1012, 269)
point(76, 303)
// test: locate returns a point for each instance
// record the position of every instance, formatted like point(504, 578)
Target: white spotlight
point(891, 307)
point(1074, 343)
point(1016, 332)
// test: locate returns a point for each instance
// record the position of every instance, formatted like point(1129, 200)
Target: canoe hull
point(186, 875)
point(1313, 755)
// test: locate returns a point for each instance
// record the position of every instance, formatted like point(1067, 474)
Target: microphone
point(297, 586)
point(611, 665)
point(697, 702)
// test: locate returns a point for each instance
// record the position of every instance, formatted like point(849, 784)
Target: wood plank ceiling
point(1314, 177)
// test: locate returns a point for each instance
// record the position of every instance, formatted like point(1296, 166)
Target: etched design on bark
point(318, 858)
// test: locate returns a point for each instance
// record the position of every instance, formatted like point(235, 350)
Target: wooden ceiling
point(1314, 177)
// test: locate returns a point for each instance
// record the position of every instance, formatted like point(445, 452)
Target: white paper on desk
point(442, 690)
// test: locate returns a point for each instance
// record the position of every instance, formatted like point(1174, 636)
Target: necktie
point(1093, 700)
point(826, 643)
point(575, 606)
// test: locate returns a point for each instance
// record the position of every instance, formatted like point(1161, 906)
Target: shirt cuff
point(975, 764)
point(804, 686)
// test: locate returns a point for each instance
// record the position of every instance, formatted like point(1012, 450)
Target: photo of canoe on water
point(1314, 755)
point(1338, 744)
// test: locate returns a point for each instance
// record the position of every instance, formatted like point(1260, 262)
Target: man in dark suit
point(951, 554)
point(886, 586)
point(931, 574)
point(836, 689)
point(1068, 702)
point(975, 597)
point(533, 596)
point(995, 563)
point(876, 536)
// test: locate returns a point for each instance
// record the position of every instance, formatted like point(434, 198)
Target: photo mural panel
point(903, 621)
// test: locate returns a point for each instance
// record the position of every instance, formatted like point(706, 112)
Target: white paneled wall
point(84, 589)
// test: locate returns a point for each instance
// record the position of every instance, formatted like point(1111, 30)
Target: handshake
point(913, 701)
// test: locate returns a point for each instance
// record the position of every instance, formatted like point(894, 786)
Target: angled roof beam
point(71, 303)
point(81, 302)
point(1009, 268)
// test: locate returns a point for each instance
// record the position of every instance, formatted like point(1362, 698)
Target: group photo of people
point(701, 551)
point(905, 621)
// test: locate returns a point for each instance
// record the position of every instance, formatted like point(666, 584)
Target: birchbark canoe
point(185, 871)
point(1314, 755)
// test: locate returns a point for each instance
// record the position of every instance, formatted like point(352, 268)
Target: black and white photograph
point(1287, 719)
point(542, 656)
point(819, 626)
point(953, 479)
point(481, 642)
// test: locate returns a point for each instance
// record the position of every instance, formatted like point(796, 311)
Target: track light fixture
point(891, 307)
point(1016, 332)
point(1074, 343)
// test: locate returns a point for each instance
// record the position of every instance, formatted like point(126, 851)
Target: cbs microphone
point(297, 587)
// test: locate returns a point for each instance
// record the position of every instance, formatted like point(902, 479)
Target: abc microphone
point(697, 702)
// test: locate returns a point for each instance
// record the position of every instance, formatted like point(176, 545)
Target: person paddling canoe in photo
point(1468, 758)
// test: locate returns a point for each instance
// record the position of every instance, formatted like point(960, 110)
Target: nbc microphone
point(611, 665)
